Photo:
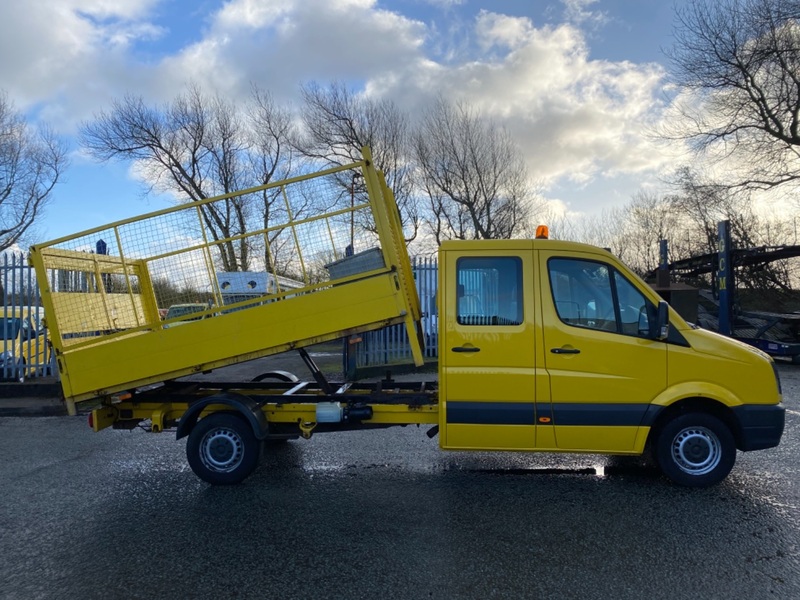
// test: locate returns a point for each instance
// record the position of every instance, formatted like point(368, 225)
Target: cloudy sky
point(580, 83)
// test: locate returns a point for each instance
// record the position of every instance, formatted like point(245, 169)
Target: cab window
point(634, 309)
point(594, 295)
point(489, 291)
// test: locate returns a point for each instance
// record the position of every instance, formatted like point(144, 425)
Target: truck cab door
point(604, 365)
point(486, 349)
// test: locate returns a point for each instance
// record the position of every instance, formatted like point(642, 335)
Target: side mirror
point(661, 325)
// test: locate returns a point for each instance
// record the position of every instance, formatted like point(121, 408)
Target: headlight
point(7, 358)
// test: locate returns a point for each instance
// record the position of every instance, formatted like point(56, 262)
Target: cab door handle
point(465, 349)
point(565, 351)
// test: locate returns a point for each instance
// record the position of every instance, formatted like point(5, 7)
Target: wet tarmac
point(386, 514)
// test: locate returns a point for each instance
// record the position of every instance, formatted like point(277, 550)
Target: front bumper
point(760, 426)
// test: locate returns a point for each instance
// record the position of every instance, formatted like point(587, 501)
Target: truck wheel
point(222, 449)
point(695, 450)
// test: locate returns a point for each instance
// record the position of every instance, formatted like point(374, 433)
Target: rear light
point(91, 419)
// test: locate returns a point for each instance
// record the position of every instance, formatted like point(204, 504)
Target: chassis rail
point(277, 410)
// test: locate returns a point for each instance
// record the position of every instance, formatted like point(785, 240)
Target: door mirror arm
point(660, 330)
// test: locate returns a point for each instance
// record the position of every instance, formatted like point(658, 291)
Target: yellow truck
point(544, 345)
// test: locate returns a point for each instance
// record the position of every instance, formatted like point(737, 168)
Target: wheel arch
point(699, 404)
point(239, 404)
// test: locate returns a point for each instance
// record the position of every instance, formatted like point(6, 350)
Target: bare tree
point(199, 147)
point(472, 174)
point(271, 159)
point(739, 61)
point(688, 220)
point(338, 123)
point(701, 204)
point(31, 164)
point(646, 220)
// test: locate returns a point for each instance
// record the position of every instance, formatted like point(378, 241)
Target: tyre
point(695, 450)
point(222, 449)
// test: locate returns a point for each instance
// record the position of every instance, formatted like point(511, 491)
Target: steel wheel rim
point(222, 450)
point(696, 450)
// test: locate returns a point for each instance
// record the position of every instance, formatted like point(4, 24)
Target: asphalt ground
point(386, 514)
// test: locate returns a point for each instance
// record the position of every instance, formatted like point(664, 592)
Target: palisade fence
point(390, 345)
point(24, 349)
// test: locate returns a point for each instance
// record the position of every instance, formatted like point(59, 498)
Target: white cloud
point(492, 29)
point(111, 9)
point(577, 11)
point(444, 3)
point(577, 119)
point(282, 47)
point(253, 14)
point(70, 56)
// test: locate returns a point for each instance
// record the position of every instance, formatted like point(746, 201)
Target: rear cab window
point(489, 291)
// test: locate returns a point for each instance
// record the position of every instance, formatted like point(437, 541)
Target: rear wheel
point(695, 450)
point(222, 449)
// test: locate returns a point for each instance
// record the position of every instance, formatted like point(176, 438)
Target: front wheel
point(222, 449)
point(695, 450)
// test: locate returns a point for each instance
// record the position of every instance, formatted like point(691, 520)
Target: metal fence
point(390, 345)
point(25, 351)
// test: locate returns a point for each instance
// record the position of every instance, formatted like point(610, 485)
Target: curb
point(35, 409)
point(31, 399)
